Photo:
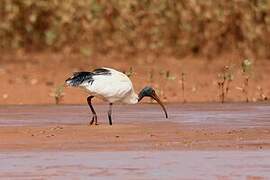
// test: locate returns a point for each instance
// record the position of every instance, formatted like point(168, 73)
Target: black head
point(146, 91)
point(150, 92)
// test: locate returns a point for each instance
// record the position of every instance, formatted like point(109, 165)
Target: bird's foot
point(94, 119)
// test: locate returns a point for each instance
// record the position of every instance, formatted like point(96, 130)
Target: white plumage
point(110, 85)
point(116, 87)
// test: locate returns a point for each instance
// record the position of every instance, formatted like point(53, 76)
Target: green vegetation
point(226, 77)
point(173, 27)
point(151, 77)
point(129, 73)
point(262, 96)
point(246, 71)
point(58, 94)
point(183, 86)
point(151, 81)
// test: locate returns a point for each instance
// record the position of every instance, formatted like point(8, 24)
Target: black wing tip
point(78, 78)
point(81, 73)
point(101, 71)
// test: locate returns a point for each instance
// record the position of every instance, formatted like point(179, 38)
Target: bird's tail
point(78, 78)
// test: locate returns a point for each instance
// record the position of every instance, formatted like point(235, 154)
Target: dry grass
point(174, 27)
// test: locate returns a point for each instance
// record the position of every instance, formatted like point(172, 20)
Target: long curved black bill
point(155, 97)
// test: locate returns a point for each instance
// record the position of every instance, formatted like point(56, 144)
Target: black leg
point(110, 113)
point(94, 117)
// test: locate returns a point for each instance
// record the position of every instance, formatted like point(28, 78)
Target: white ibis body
point(112, 86)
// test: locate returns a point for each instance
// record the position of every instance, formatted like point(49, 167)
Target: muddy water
point(136, 165)
point(164, 164)
point(236, 115)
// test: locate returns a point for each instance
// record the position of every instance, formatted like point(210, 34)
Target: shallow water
point(231, 114)
point(136, 165)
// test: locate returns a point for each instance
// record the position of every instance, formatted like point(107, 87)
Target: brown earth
point(34, 78)
point(200, 126)
point(137, 136)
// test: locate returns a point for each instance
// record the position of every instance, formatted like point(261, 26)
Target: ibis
point(112, 86)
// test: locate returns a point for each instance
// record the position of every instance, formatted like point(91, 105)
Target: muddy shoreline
point(135, 137)
point(138, 128)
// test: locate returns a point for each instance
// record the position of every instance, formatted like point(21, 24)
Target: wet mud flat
point(198, 141)
point(136, 165)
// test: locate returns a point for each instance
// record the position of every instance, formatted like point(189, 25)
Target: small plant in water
point(151, 77)
point(151, 81)
point(225, 79)
point(183, 78)
point(246, 72)
point(262, 96)
point(58, 94)
point(168, 77)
